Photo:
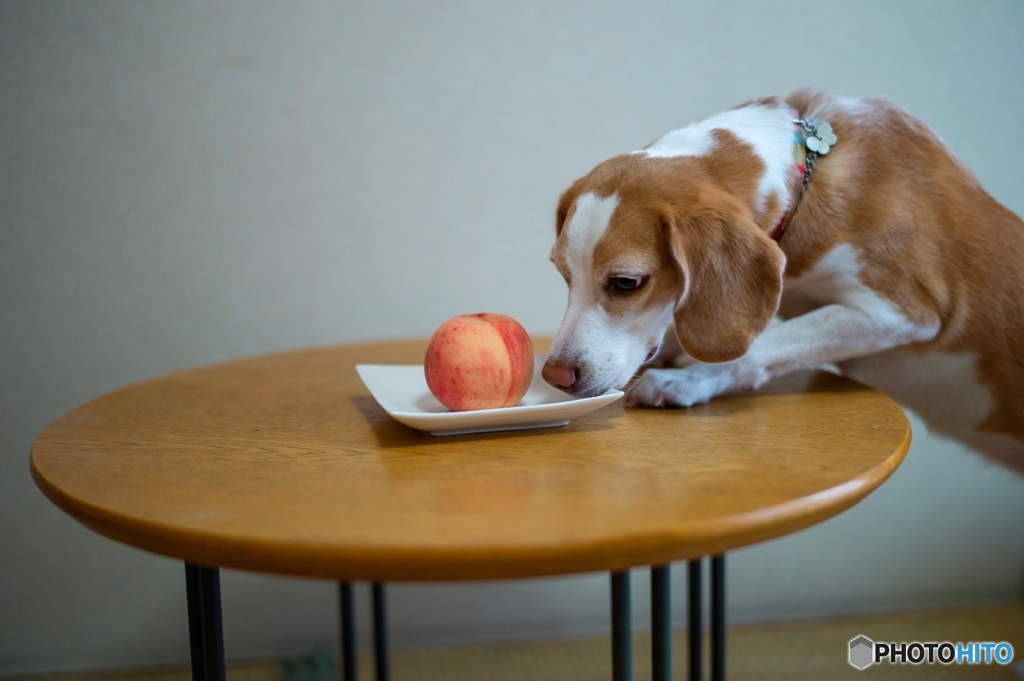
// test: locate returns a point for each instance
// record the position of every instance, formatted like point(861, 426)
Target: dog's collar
point(811, 138)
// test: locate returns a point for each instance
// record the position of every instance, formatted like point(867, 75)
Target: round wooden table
point(286, 464)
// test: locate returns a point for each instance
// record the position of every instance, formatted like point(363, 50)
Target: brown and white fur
point(896, 266)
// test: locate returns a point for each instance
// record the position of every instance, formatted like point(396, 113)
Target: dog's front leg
point(830, 334)
point(695, 384)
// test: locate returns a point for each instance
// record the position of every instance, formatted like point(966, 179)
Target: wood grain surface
point(285, 464)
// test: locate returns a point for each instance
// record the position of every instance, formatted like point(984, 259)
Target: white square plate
point(403, 393)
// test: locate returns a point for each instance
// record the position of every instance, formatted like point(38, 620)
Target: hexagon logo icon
point(862, 652)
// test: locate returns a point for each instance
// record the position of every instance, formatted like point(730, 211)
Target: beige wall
point(187, 182)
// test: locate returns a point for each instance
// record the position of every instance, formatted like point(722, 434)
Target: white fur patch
point(584, 229)
point(836, 279)
point(769, 130)
point(942, 387)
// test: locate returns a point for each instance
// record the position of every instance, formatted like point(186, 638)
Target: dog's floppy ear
point(733, 281)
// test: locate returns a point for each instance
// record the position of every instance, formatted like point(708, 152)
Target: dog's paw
point(670, 388)
point(693, 385)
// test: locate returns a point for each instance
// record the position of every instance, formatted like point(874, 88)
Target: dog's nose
point(559, 373)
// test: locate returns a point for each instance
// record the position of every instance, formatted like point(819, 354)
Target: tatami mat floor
point(802, 651)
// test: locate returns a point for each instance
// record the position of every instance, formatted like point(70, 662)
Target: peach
point(479, 361)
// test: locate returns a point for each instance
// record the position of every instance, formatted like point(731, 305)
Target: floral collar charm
point(819, 135)
point(813, 138)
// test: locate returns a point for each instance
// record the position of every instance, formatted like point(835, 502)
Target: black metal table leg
point(380, 633)
point(205, 627)
point(622, 653)
point(718, 618)
point(661, 624)
point(695, 626)
point(347, 631)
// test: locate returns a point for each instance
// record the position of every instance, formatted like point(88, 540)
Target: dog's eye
point(626, 284)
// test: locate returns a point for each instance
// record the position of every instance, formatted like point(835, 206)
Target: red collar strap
point(811, 139)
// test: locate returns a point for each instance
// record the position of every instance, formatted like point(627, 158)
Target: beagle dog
point(846, 221)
